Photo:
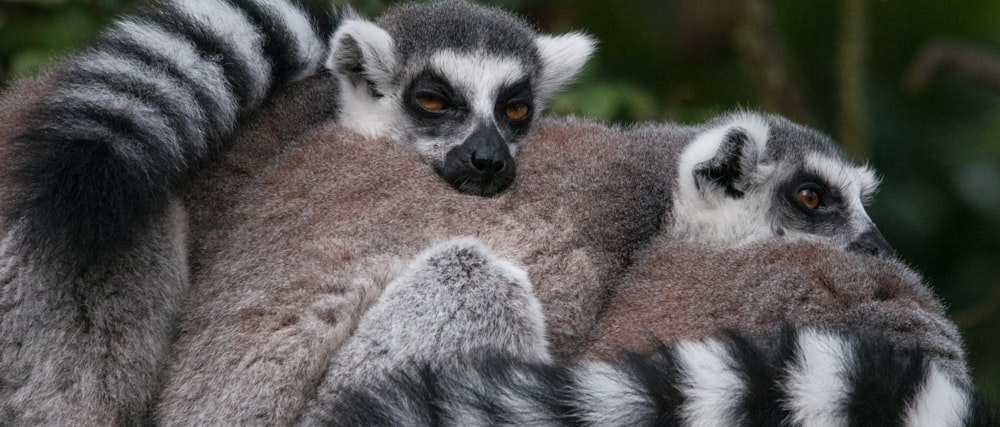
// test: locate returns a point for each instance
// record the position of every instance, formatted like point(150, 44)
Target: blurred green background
point(912, 87)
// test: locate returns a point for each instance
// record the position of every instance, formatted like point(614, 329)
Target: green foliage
point(34, 33)
point(621, 101)
point(937, 144)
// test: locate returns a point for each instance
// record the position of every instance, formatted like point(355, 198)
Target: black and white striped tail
point(134, 114)
point(795, 379)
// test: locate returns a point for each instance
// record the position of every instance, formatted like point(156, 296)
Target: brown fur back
point(688, 291)
point(292, 251)
point(304, 245)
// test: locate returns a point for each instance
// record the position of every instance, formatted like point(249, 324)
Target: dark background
point(912, 87)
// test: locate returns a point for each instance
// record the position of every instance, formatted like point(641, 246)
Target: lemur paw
point(456, 297)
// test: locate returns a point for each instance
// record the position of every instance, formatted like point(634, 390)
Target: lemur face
point(465, 113)
point(826, 197)
point(752, 177)
point(458, 83)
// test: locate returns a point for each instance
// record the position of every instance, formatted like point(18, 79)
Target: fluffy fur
point(882, 385)
point(304, 245)
point(681, 290)
point(481, 298)
point(307, 243)
point(93, 268)
point(92, 253)
point(454, 341)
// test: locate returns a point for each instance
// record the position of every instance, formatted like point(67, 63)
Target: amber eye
point(431, 103)
point(517, 111)
point(809, 198)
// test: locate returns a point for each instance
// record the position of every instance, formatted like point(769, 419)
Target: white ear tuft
point(562, 57)
point(727, 157)
point(362, 51)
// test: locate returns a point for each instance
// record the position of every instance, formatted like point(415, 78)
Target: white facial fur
point(857, 183)
point(477, 77)
point(368, 116)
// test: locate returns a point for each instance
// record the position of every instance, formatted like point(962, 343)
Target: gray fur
point(288, 263)
point(305, 244)
point(92, 225)
point(93, 258)
point(604, 232)
point(86, 352)
point(442, 347)
point(485, 303)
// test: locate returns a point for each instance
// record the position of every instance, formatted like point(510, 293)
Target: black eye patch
point(429, 84)
point(517, 92)
point(811, 194)
point(515, 107)
point(809, 204)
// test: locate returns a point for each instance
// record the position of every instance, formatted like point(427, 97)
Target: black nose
point(481, 165)
point(871, 242)
point(488, 162)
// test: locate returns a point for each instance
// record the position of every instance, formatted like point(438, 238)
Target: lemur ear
point(363, 52)
point(562, 57)
point(733, 165)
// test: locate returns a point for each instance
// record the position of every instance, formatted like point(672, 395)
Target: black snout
point(871, 242)
point(482, 165)
point(488, 162)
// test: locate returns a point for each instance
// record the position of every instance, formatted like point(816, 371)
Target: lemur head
point(748, 177)
point(458, 83)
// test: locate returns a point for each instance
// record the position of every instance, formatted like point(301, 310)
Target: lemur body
point(271, 305)
point(670, 293)
point(94, 231)
point(311, 240)
point(455, 340)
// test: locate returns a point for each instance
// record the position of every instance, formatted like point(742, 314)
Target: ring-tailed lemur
point(289, 266)
point(308, 243)
point(458, 339)
point(459, 83)
point(95, 152)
